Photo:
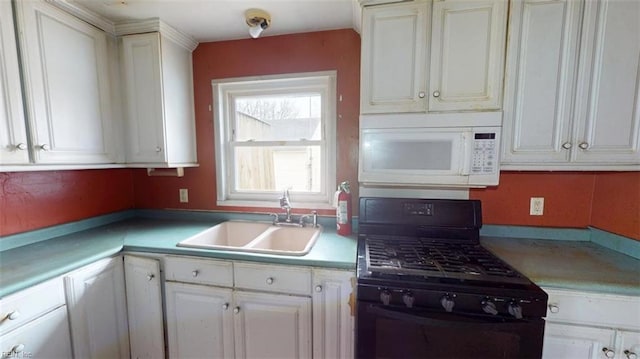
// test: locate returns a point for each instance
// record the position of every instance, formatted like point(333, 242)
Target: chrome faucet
point(286, 204)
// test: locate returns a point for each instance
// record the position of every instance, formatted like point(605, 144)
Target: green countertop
point(24, 266)
point(574, 265)
point(569, 264)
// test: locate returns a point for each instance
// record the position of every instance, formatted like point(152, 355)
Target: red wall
point(616, 203)
point(318, 51)
point(31, 200)
point(606, 200)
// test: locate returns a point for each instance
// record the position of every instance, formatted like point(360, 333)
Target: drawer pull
point(630, 354)
point(553, 308)
point(236, 310)
point(609, 353)
point(225, 306)
point(195, 273)
point(150, 277)
point(270, 280)
point(318, 288)
point(13, 315)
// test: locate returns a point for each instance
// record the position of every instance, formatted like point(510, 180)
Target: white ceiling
point(216, 20)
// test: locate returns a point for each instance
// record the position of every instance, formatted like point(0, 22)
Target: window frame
point(224, 93)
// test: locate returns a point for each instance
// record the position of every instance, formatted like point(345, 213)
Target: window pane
point(276, 168)
point(288, 117)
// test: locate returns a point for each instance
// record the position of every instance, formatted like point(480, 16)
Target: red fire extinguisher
point(343, 210)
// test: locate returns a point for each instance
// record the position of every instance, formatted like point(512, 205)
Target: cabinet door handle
point(225, 306)
point(270, 280)
point(236, 310)
point(13, 315)
point(43, 147)
point(21, 146)
point(150, 277)
point(436, 93)
point(583, 145)
point(421, 94)
point(609, 353)
point(195, 273)
point(553, 308)
point(158, 149)
point(566, 145)
point(19, 348)
point(318, 288)
point(630, 354)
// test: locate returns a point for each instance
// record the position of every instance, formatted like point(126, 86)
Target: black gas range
point(427, 288)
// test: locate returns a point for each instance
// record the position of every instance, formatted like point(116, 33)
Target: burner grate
point(433, 257)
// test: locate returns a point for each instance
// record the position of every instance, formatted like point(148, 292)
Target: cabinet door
point(144, 306)
point(629, 344)
point(333, 321)
point(144, 98)
point(394, 55)
point(608, 101)
point(98, 310)
point(272, 325)
point(66, 79)
point(467, 50)
point(13, 133)
point(571, 341)
point(540, 82)
point(44, 337)
point(199, 322)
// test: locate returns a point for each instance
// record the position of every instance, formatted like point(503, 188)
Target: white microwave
point(430, 157)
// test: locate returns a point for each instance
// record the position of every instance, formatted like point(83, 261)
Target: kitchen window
point(274, 133)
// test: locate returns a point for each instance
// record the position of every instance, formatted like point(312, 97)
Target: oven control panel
point(418, 209)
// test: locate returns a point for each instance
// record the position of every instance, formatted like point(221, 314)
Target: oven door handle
point(448, 323)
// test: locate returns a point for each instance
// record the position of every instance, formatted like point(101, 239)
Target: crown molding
point(156, 25)
point(89, 16)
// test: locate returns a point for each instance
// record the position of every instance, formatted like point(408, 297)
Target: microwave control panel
point(484, 159)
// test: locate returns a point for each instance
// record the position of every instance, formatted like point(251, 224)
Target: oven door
point(394, 332)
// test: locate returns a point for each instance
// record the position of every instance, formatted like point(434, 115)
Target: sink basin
point(258, 237)
point(287, 239)
point(227, 234)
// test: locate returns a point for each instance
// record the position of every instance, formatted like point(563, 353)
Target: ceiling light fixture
point(258, 21)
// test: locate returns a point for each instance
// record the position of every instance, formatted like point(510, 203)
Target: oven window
point(395, 339)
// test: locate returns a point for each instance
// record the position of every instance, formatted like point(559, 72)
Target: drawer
point(273, 278)
point(26, 305)
point(616, 311)
point(199, 271)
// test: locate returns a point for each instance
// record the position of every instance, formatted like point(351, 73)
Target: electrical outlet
point(184, 195)
point(536, 207)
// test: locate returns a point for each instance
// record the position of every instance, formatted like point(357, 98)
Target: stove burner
point(439, 258)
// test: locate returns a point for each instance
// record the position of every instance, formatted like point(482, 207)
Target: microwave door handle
point(454, 322)
point(467, 152)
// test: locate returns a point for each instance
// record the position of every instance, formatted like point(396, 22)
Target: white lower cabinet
point(144, 307)
point(268, 312)
point(333, 318)
point(199, 321)
point(98, 310)
point(34, 323)
point(585, 325)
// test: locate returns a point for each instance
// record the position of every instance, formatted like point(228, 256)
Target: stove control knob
point(515, 310)
point(385, 297)
point(489, 307)
point(447, 303)
point(408, 299)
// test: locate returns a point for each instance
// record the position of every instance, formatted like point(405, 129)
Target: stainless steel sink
point(258, 237)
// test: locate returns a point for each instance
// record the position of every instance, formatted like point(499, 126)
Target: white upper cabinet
point(394, 54)
point(467, 52)
point(66, 83)
point(449, 58)
point(571, 95)
point(158, 80)
point(13, 134)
